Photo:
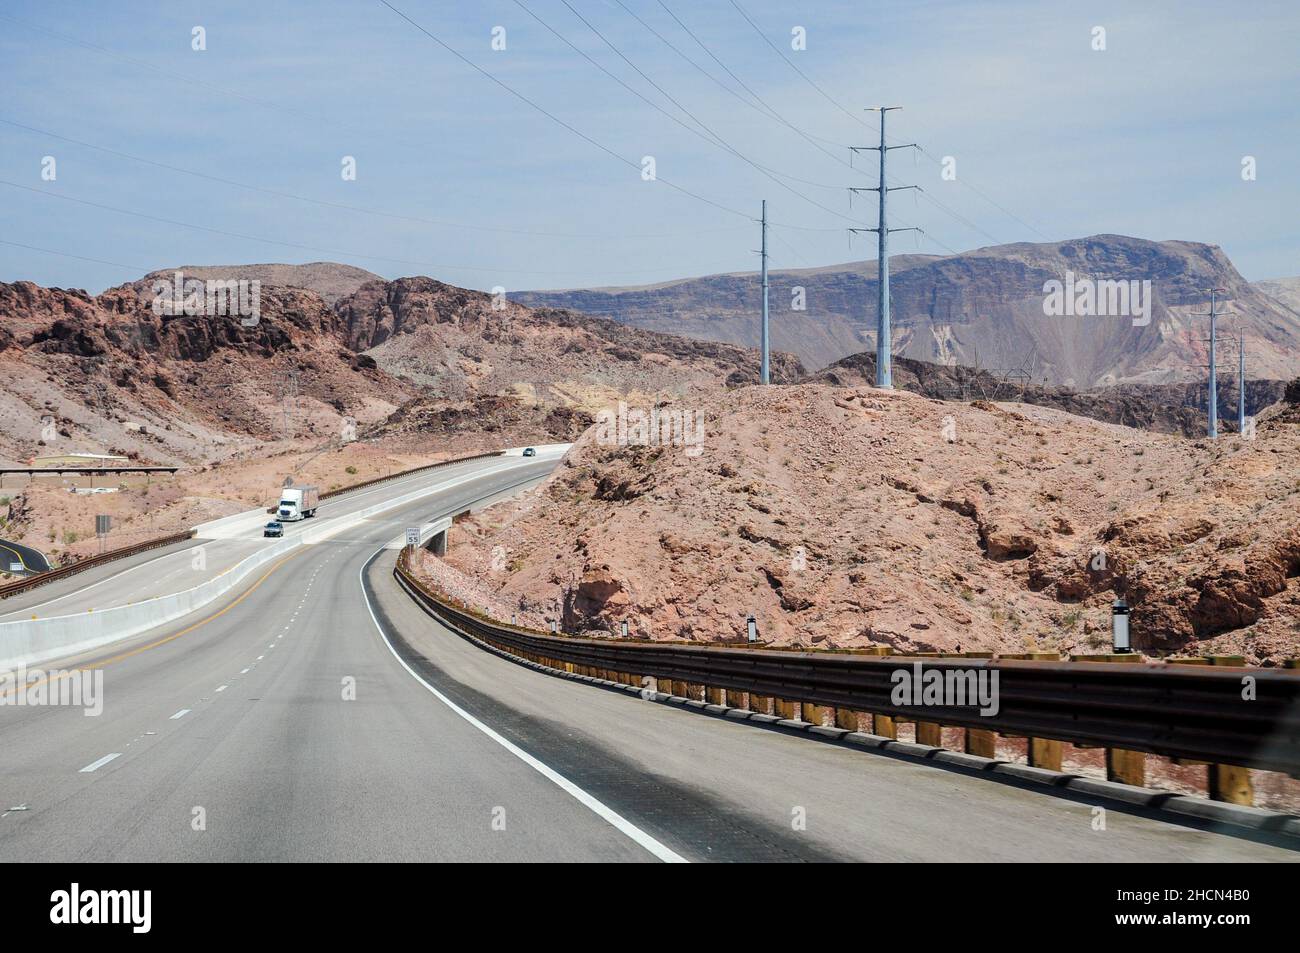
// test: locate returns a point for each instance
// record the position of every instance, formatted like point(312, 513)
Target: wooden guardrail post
point(1229, 782)
point(737, 699)
point(928, 732)
point(849, 718)
point(715, 696)
point(980, 741)
point(881, 724)
point(784, 707)
point(1122, 765)
point(760, 703)
point(1041, 752)
point(814, 714)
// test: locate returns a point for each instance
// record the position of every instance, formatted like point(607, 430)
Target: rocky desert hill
point(106, 374)
point(984, 309)
point(329, 279)
point(1284, 290)
point(413, 357)
point(465, 346)
point(723, 307)
point(1165, 408)
point(846, 516)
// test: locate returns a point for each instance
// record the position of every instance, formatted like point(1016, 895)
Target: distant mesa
point(982, 309)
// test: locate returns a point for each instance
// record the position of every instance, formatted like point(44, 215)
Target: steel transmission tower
point(763, 370)
point(1212, 409)
point(884, 372)
point(1241, 382)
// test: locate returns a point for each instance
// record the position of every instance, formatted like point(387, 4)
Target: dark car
point(529, 452)
point(273, 529)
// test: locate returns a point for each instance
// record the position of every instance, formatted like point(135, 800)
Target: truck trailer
point(297, 502)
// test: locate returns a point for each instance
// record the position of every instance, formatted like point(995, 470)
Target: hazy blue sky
point(1144, 138)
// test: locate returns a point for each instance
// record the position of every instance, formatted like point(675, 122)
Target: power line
point(855, 118)
point(353, 208)
point(556, 119)
point(773, 114)
point(770, 173)
point(985, 196)
point(781, 53)
point(143, 64)
point(707, 135)
point(285, 244)
point(137, 269)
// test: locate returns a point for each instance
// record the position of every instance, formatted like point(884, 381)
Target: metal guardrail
point(1185, 712)
point(40, 579)
point(405, 473)
point(329, 494)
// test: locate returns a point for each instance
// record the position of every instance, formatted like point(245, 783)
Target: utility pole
point(763, 370)
point(1212, 411)
point(288, 393)
point(1241, 381)
point(884, 371)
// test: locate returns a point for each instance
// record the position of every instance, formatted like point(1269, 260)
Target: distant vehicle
point(529, 452)
point(297, 502)
point(273, 529)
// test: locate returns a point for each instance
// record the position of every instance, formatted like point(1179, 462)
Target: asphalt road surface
point(182, 566)
point(30, 560)
point(320, 714)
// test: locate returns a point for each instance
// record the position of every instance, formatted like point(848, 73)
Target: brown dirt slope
point(848, 516)
point(462, 345)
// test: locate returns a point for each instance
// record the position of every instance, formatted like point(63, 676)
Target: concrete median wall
point(35, 641)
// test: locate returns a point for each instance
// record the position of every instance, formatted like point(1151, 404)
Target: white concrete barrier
point(34, 641)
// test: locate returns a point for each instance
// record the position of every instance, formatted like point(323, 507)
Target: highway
point(31, 560)
point(318, 713)
point(180, 566)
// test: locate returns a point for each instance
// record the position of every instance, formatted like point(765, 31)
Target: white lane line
point(221, 688)
point(260, 657)
point(180, 714)
point(96, 765)
point(597, 807)
point(243, 671)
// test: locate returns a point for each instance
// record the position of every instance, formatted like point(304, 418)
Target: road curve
point(320, 714)
point(31, 560)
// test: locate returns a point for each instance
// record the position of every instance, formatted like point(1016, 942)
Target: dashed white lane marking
point(222, 688)
point(96, 765)
point(260, 657)
point(180, 714)
point(599, 808)
point(243, 671)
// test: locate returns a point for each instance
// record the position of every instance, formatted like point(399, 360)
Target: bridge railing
point(1229, 719)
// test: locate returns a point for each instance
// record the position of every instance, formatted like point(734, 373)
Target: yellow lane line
point(163, 641)
point(18, 554)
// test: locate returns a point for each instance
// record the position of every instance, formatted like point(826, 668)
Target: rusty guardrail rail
point(40, 579)
point(375, 481)
point(1192, 713)
point(405, 473)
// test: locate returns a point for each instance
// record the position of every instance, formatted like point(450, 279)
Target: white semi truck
point(297, 502)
